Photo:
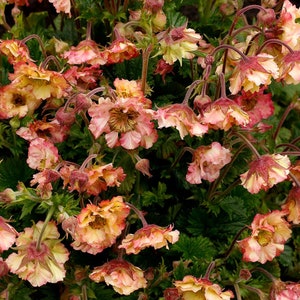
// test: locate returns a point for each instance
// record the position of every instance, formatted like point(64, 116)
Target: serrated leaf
point(191, 247)
point(27, 208)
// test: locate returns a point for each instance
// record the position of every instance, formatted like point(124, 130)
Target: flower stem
point(248, 143)
point(274, 41)
point(189, 91)
point(35, 36)
point(234, 241)
point(284, 116)
point(139, 214)
point(237, 291)
point(211, 266)
point(146, 56)
point(48, 217)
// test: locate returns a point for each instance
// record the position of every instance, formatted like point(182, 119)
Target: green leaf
point(199, 247)
point(156, 196)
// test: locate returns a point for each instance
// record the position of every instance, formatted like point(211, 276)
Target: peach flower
point(269, 234)
point(124, 277)
point(149, 236)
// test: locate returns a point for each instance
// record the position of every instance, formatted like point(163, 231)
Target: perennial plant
point(149, 149)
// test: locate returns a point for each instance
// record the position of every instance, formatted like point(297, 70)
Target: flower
point(39, 263)
point(44, 180)
point(257, 105)
point(163, 68)
point(178, 43)
point(97, 226)
point(289, 68)
point(149, 236)
point(7, 235)
point(85, 52)
point(288, 26)
point(292, 205)
point(265, 171)
point(62, 6)
point(43, 84)
point(269, 234)
point(285, 290)
point(192, 288)
point(253, 72)
point(124, 277)
point(16, 101)
point(93, 179)
point(207, 162)
point(182, 118)
point(42, 154)
point(223, 114)
point(125, 123)
point(119, 50)
point(15, 51)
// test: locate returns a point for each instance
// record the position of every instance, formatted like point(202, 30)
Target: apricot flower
point(269, 234)
point(207, 163)
point(193, 288)
point(124, 277)
point(42, 263)
point(97, 226)
point(265, 171)
point(149, 236)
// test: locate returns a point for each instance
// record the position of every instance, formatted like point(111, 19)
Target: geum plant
point(141, 159)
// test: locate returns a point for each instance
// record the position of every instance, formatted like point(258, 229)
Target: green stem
point(48, 217)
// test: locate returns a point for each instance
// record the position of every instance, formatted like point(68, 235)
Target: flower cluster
point(100, 111)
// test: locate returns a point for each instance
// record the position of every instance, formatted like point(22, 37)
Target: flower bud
point(65, 117)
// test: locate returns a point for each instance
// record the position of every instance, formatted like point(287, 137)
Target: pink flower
point(125, 123)
point(285, 290)
point(269, 234)
point(44, 180)
point(149, 236)
point(52, 131)
point(62, 6)
point(124, 277)
point(42, 154)
point(163, 68)
point(289, 68)
point(93, 179)
point(7, 235)
point(265, 171)
point(41, 263)
point(288, 26)
point(97, 226)
point(120, 49)
point(182, 118)
point(192, 288)
point(253, 72)
point(207, 163)
point(223, 114)
point(292, 205)
point(257, 105)
point(85, 52)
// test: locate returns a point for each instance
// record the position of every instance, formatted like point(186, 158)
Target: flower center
point(98, 223)
point(122, 121)
point(18, 100)
point(37, 254)
point(264, 237)
point(248, 104)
